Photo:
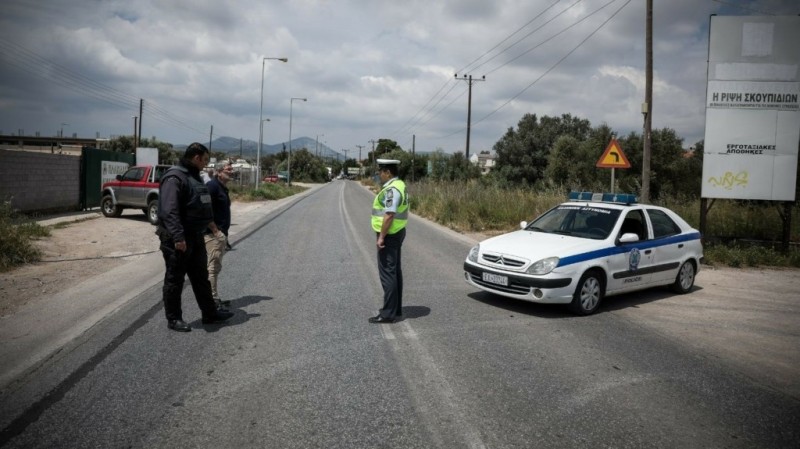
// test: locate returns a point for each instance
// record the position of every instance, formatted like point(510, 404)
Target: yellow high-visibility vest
point(400, 217)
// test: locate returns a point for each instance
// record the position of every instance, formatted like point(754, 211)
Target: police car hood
point(534, 245)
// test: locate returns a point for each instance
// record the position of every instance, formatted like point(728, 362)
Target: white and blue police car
point(594, 245)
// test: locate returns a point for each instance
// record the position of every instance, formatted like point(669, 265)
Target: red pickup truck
point(136, 188)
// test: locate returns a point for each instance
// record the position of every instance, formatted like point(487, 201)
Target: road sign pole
point(612, 179)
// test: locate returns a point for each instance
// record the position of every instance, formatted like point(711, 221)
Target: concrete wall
point(35, 181)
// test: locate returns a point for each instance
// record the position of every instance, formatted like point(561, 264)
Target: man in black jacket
point(216, 236)
point(184, 212)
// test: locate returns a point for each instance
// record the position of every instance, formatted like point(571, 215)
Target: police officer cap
point(388, 162)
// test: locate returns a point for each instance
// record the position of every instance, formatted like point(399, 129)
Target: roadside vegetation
point(265, 191)
point(740, 234)
point(16, 240)
point(535, 165)
point(543, 158)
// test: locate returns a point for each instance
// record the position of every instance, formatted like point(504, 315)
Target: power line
point(563, 11)
point(552, 37)
point(472, 69)
point(546, 72)
point(31, 62)
point(556, 64)
point(430, 112)
point(411, 122)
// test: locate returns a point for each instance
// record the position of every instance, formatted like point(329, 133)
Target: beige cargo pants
point(216, 248)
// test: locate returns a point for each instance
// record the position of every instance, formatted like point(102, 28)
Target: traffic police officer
point(184, 212)
point(389, 218)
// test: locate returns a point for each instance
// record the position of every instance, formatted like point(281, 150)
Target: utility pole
point(210, 135)
point(135, 136)
point(316, 149)
point(360, 164)
point(469, 80)
point(647, 107)
point(413, 150)
point(141, 119)
point(359, 152)
point(372, 159)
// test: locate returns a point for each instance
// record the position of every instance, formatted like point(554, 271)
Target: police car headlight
point(543, 266)
point(473, 253)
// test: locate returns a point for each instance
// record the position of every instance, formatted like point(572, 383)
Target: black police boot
point(179, 326)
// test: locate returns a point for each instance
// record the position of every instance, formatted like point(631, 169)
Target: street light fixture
point(289, 165)
point(261, 116)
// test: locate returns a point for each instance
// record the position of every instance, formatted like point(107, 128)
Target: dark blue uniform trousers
point(194, 262)
point(391, 274)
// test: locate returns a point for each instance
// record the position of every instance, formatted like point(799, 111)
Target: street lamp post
point(62, 129)
point(261, 132)
point(289, 165)
point(261, 116)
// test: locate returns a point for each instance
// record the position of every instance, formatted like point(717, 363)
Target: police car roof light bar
point(619, 198)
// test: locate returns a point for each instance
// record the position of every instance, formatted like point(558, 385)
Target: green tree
point(305, 167)
point(523, 154)
point(452, 167)
point(563, 164)
point(386, 146)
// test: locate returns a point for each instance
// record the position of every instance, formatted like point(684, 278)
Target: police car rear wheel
point(588, 294)
point(684, 281)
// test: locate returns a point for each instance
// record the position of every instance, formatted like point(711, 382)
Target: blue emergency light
point(596, 197)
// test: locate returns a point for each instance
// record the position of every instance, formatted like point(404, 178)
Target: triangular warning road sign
point(613, 157)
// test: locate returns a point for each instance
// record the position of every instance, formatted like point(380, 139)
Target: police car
point(593, 246)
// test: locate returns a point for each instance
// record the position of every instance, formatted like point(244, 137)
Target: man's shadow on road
point(411, 312)
point(239, 316)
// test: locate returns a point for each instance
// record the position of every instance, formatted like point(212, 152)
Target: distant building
point(484, 160)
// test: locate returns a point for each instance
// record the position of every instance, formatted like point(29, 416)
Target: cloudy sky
point(370, 69)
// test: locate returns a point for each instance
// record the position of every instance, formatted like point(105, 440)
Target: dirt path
point(76, 251)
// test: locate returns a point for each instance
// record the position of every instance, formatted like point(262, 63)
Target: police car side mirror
point(523, 224)
point(629, 237)
point(119, 177)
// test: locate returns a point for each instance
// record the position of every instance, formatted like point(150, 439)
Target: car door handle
point(648, 251)
point(680, 245)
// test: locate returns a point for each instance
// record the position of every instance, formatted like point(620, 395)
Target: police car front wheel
point(587, 294)
point(684, 281)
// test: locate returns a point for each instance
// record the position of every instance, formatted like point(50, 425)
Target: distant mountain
point(248, 148)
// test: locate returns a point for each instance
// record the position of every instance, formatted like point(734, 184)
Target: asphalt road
point(299, 366)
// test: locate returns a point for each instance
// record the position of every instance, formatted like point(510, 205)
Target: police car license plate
point(495, 279)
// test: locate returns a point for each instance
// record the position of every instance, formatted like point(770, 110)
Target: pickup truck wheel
point(109, 208)
point(152, 212)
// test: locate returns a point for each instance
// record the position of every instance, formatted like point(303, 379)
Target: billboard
point(752, 108)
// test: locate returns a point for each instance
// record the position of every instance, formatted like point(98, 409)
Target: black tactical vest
point(196, 213)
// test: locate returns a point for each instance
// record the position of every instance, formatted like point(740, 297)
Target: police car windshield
point(577, 220)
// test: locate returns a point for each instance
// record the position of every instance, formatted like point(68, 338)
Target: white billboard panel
point(752, 108)
point(146, 156)
point(110, 169)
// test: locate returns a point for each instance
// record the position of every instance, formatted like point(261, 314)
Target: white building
point(484, 160)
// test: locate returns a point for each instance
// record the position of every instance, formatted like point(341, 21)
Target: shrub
point(16, 247)
point(266, 191)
